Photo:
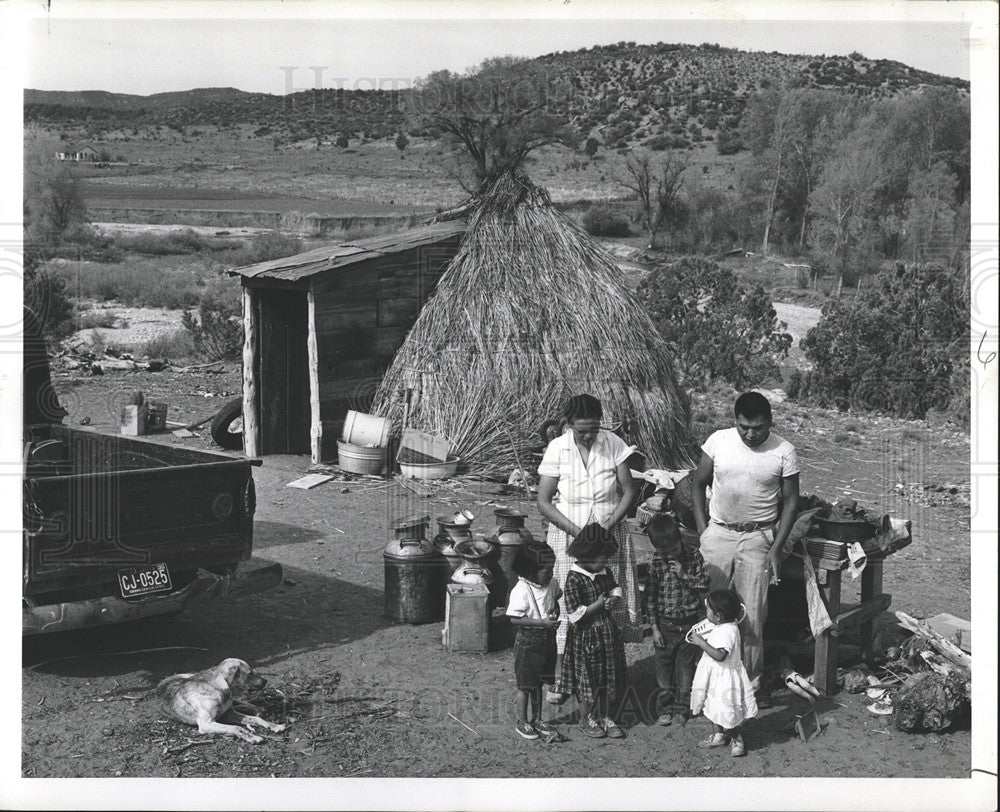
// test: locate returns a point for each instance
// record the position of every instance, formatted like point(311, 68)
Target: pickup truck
point(121, 528)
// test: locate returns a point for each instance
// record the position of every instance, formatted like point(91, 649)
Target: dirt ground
point(364, 696)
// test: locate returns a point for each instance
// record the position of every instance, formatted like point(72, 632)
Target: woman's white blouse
point(586, 492)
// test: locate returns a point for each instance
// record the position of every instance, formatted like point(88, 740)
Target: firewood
point(943, 646)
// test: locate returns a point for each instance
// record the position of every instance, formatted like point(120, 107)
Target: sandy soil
point(133, 326)
point(364, 696)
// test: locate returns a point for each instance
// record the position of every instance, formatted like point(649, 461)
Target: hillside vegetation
point(623, 94)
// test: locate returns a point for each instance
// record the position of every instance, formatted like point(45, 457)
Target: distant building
point(85, 154)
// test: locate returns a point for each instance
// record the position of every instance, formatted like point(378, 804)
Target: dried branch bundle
point(530, 311)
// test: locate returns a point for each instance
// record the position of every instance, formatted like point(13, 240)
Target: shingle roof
point(330, 257)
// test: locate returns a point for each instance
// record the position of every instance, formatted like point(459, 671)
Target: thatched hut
point(530, 310)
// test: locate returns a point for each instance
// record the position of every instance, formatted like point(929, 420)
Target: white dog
point(204, 698)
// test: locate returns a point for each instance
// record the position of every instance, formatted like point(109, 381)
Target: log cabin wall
point(362, 316)
point(322, 327)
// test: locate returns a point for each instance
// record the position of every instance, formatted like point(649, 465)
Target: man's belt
point(745, 527)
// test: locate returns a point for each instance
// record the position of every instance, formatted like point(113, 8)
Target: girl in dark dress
point(594, 661)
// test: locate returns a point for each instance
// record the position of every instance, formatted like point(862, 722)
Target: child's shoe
point(715, 740)
point(665, 719)
point(547, 732)
point(613, 731)
point(525, 730)
point(736, 747)
point(591, 727)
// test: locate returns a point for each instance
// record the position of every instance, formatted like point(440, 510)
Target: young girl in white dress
point(722, 690)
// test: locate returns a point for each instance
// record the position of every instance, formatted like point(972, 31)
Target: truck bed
point(96, 503)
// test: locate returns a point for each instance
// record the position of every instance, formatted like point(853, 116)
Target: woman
point(584, 478)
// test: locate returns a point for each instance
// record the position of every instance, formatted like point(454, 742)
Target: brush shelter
point(322, 327)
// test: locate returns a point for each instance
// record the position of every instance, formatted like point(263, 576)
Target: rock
point(928, 701)
point(107, 731)
point(856, 680)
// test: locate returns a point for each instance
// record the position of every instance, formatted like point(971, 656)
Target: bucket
point(429, 470)
point(361, 460)
point(366, 430)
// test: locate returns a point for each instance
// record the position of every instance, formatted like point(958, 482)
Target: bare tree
point(492, 117)
point(53, 195)
point(657, 184)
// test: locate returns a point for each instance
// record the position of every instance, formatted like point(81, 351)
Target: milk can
point(451, 531)
point(509, 536)
point(476, 554)
point(414, 586)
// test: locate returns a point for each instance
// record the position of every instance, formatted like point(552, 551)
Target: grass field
point(235, 165)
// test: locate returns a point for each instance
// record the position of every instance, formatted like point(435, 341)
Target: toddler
point(722, 689)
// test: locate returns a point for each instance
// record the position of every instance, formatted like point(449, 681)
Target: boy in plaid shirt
point(675, 590)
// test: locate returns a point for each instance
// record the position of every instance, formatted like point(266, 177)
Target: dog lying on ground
point(205, 698)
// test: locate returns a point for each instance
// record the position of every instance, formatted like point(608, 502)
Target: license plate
point(144, 580)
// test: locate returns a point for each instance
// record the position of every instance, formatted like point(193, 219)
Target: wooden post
point(825, 674)
point(871, 589)
point(251, 419)
point(316, 425)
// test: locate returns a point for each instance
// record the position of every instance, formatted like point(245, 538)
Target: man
point(754, 474)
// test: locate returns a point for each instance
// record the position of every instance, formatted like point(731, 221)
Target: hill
point(664, 95)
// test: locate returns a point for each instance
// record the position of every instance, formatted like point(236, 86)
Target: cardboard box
point(133, 420)
point(420, 447)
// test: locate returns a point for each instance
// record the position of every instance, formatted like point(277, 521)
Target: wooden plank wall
point(362, 314)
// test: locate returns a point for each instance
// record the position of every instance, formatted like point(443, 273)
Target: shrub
point(899, 347)
point(45, 294)
point(728, 141)
point(718, 329)
point(264, 246)
point(658, 143)
point(170, 346)
point(180, 241)
point(604, 221)
point(590, 148)
point(143, 283)
point(99, 318)
point(217, 329)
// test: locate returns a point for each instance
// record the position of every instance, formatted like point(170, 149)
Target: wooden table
point(862, 615)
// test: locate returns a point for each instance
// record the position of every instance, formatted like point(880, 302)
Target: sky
point(137, 54)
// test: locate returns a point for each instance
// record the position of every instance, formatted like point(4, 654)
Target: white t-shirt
point(746, 484)
point(545, 604)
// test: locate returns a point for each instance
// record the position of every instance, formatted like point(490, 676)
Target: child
point(722, 689)
point(533, 607)
point(593, 667)
point(675, 589)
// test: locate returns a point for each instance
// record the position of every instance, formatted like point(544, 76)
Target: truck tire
point(227, 415)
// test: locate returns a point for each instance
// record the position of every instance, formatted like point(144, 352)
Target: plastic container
point(361, 460)
point(430, 470)
point(366, 430)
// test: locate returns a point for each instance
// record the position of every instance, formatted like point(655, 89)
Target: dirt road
point(365, 697)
